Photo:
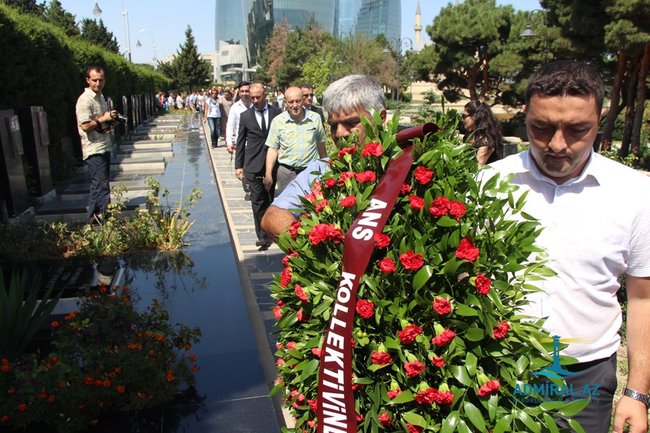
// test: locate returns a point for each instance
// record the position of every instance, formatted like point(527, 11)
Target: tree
point(466, 37)
point(27, 6)
point(58, 16)
point(97, 33)
point(189, 70)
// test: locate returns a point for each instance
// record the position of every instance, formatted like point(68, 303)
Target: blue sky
point(163, 22)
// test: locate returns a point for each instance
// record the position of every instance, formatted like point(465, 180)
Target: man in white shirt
point(232, 126)
point(596, 218)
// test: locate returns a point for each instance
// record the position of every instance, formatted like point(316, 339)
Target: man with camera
point(94, 121)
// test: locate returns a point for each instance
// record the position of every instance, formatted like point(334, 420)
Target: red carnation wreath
point(437, 343)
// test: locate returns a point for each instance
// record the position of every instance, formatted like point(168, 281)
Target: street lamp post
point(400, 44)
point(97, 12)
point(153, 45)
point(528, 31)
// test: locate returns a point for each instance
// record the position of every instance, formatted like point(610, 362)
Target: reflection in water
point(172, 270)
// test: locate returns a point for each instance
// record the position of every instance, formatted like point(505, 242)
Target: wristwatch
point(643, 398)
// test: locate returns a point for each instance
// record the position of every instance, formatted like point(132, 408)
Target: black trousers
point(99, 195)
point(260, 199)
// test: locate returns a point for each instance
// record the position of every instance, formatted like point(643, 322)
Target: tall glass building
point(377, 17)
point(242, 26)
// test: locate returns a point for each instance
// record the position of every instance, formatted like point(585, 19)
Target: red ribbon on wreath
point(336, 411)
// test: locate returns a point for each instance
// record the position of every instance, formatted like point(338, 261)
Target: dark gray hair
point(353, 92)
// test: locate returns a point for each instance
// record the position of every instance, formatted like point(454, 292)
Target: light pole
point(400, 44)
point(153, 45)
point(528, 31)
point(97, 12)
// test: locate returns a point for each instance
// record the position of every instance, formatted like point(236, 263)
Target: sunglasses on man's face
point(307, 95)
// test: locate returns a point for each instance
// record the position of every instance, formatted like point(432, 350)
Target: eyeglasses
point(307, 95)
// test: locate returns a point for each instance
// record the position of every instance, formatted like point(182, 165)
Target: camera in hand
point(119, 117)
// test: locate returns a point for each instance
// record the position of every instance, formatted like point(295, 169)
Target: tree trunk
point(614, 109)
point(640, 100)
point(629, 109)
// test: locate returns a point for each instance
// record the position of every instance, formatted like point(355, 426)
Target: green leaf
point(446, 221)
point(404, 397)
point(422, 276)
point(528, 421)
point(470, 363)
point(415, 419)
point(474, 334)
point(475, 416)
point(463, 428)
point(551, 424)
point(575, 425)
point(574, 407)
point(521, 365)
point(460, 374)
point(450, 423)
point(503, 425)
point(464, 310)
point(309, 368)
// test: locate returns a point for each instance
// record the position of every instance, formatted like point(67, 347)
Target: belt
point(293, 168)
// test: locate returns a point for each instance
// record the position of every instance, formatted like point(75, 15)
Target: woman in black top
point(484, 132)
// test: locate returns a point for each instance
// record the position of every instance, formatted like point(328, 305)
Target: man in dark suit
point(250, 156)
point(308, 101)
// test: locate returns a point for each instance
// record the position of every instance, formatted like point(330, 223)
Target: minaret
point(418, 27)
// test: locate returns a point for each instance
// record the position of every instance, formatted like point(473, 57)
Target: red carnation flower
point(426, 396)
point(411, 260)
point(394, 393)
point(483, 284)
point(414, 428)
point(366, 176)
point(381, 358)
point(457, 209)
point(440, 207)
point(285, 277)
point(502, 330)
point(301, 316)
point(444, 397)
point(405, 189)
point(285, 259)
point(442, 306)
point(293, 229)
point(408, 334)
point(444, 338)
point(366, 309)
point(381, 240)
point(423, 174)
point(438, 362)
point(321, 205)
point(346, 150)
point(330, 182)
point(313, 405)
point(490, 387)
point(277, 312)
point(316, 351)
point(301, 293)
point(324, 232)
point(372, 149)
point(344, 176)
point(384, 419)
point(417, 203)
point(414, 368)
point(466, 250)
point(349, 201)
point(387, 265)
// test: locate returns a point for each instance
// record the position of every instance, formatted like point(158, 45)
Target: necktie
point(263, 121)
